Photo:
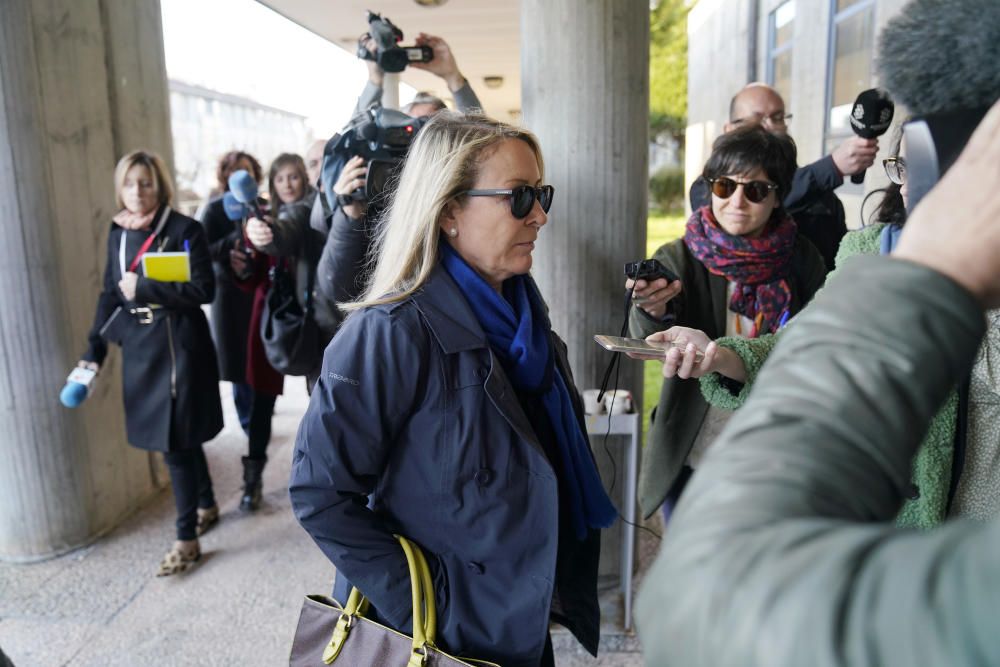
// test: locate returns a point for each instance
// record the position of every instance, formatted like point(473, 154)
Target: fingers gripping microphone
point(244, 189)
point(870, 118)
point(78, 387)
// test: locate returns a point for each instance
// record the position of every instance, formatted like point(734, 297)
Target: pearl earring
point(452, 232)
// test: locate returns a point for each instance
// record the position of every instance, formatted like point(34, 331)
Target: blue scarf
point(889, 237)
point(517, 328)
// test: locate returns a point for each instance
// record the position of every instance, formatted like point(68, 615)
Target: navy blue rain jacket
point(413, 408)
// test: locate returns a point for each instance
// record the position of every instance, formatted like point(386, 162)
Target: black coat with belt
point(170, 377)
point(232, 306)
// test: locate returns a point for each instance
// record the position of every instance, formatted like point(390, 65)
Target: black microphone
point(870, 118)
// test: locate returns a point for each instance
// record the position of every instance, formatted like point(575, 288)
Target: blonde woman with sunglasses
point(446, 412)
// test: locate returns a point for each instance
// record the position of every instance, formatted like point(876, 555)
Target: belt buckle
point(144, 314)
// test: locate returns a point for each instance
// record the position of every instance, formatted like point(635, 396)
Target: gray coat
point(703, 304)
point(414, 409)
point(781, 551)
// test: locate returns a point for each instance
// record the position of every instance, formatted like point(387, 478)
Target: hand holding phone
point(640, 349)
point(654, 286)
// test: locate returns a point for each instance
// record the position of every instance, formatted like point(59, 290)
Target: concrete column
point(76, 92)
point(585, 93)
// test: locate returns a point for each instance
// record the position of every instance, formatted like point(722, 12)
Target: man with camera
point(441, 64)
point(341, 269)
point(811, 201)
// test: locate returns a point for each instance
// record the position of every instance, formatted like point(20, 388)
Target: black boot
point(252, 471)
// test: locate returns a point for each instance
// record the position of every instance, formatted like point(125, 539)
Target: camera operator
point(442, 65)
point(340, 274)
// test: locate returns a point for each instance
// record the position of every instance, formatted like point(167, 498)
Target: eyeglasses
point(754, 191)
point(777, 119)
point(895, 169)
point(522, 198)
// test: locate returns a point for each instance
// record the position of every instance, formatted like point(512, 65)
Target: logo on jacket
point(341, 378)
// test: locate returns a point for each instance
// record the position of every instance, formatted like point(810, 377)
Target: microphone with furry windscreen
point(870, 118)
point(244, 188)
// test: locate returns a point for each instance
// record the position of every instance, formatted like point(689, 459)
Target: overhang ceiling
point(484, 35)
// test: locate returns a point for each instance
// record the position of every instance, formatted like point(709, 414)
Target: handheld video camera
point(389, 54)
point(382, 137)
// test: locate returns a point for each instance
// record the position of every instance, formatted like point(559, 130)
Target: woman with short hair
point(231, 306)
point(743, 270)
point(291, 198)
point(170, 381)
point(446, 412)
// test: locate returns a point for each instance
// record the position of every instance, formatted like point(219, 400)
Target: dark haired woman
point(290, 194)
point(743, 270)
point(231, 307)
point(955, 472)
point(169, 379)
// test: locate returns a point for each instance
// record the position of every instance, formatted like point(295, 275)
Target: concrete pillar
point(585, 93)
point(80, 84)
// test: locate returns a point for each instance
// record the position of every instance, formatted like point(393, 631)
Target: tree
point(668, 70)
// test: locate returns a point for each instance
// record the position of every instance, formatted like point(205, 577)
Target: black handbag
point(292, 340)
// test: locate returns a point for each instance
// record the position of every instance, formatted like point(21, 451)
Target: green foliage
point(668, 69)
point(666, 187)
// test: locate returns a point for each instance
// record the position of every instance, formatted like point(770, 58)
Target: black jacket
point(232, 306)
point(169, 371)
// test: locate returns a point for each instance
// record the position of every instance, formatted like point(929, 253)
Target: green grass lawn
point(662, 227)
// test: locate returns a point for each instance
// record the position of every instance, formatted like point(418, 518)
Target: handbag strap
point(422, 590)
point(424, 609)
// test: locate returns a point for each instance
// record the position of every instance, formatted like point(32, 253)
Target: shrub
point(666, 187)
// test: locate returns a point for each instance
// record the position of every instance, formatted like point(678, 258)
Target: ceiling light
point(430, 3)
point(493, 81)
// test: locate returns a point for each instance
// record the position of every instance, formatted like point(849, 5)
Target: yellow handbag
point(328, 634)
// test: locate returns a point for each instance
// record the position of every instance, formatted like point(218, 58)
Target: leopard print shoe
point(178, 560)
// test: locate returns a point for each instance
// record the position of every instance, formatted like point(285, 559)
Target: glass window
point(779, 61)
point(850, 72)
point(845, 4)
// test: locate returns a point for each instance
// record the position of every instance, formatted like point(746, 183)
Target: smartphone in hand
point(636, 347)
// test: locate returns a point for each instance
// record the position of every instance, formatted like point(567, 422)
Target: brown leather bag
point(328, 634)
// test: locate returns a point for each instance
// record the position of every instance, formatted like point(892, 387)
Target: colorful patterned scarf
point(759, 267)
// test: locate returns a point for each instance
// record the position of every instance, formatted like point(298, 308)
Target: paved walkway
point(101, 606)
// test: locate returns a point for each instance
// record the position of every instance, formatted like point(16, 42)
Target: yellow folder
point(167, 267)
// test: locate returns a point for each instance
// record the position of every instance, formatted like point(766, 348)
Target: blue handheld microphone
point(77, 387)
point(234, 208)
point(244, 189)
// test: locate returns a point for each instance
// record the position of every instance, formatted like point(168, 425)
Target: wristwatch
point(345, 200)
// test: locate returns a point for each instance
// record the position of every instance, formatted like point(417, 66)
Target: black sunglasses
point(754, 191)
point(522, 198)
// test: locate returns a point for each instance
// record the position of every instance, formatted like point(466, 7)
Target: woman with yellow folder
point(169, 371)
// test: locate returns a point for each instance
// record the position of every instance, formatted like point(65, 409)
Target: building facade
point(819, 54)
point(206, 124)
